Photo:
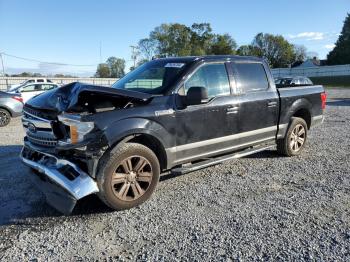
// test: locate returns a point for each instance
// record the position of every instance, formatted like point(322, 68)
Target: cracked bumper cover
point(62, 182)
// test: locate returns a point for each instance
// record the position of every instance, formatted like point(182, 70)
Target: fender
point(297, 105)
point(301, 103)
point(130, 126)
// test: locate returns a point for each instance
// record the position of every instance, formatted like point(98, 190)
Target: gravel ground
point(262, 207)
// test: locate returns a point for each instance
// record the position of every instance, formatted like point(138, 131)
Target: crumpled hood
point(67, 97)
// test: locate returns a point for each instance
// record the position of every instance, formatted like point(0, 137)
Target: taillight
point(18, 98)
point(323, 100)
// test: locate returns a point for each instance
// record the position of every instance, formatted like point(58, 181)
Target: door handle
point(232, 110)
point(272, 104)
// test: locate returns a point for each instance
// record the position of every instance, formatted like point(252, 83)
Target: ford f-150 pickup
point(169, 115)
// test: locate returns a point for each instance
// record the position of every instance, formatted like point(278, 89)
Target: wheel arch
point(304, 114)
point(300, 108)
point(142, 131)
point(7, 109)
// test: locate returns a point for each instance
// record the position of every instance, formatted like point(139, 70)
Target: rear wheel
point(128, 176)
point(5, 117)
point(294, 141)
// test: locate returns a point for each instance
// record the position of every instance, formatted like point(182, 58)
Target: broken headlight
point(77, 128)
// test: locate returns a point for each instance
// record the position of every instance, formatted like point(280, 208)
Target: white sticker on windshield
point(176, 65)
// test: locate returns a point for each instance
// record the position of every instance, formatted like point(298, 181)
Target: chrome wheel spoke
point(124, 190)
point(118, 178)
point(296, 146)
point(292, 144)
point(140, 164)
point(127, 166)
point(137, 190)
point(301, 132)
point(144, 177)
point(300, 140)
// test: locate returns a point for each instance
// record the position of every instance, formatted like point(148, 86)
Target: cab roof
point(187, 59)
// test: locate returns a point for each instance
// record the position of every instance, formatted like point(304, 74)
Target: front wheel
point(5, 117)
point(128, 176)
point(294, 141)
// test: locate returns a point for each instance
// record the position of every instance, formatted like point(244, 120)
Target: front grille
point(41, 140)
point(38, 129)
point(46, 114)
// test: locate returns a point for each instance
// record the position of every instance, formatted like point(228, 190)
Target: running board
point(218, 160)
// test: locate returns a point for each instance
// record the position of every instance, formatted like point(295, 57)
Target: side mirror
point(196, 95)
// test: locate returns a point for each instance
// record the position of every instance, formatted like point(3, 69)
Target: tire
point(5, 117)
point(292, 145)
point(128, 176)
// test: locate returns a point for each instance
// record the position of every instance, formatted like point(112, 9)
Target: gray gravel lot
point(262, 207)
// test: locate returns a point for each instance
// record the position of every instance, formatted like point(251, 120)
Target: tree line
point(199, 39)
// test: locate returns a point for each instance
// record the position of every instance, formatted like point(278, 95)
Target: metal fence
point(6, 82)
point(317, 71)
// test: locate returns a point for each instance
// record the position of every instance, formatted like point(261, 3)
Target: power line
point(44, 62)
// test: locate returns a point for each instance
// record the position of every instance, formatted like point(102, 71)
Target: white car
point(30, 90)
point(30, 81)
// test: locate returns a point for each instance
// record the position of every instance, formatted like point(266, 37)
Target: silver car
point(11, 105)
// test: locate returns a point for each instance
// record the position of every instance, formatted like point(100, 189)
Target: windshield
point(154, 77)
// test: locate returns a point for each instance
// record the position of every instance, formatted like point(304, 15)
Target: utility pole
point(134, 54)
point(100, 53)
point(2, 63)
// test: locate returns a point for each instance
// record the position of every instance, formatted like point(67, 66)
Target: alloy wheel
point(297, 138)
point(4, 118)
point(132, 178)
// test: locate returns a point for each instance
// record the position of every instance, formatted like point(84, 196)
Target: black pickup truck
point(168, 115)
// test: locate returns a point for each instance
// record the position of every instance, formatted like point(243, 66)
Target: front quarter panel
point(131, 126)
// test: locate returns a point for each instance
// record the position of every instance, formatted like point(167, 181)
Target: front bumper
point(62, 182)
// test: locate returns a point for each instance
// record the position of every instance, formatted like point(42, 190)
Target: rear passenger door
point(258, 102)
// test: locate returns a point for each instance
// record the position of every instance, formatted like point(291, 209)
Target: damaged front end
point(62, 181)
point(63, 143)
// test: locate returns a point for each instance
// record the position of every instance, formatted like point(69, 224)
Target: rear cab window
point(251, 77)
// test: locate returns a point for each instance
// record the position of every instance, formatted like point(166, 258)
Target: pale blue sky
point(71, 31)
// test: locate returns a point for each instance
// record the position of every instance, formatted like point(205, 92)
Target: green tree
point(180, 40)
point(172, 39)
point(275, 49)
point(247, 50)
point(340, 55)
point(147, 48)
point(223, 45)
point(103, 71)
point(116, 67)
point(300, 53)
point(25, 74)
point(201, 38)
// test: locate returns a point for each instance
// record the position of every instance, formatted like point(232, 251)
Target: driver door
point(201, 127)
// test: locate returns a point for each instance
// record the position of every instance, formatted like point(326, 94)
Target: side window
point(252, 77)
point(47, 87)
point(28, 88)
point(296, 81)
point(211, 76)
point(40, 80)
